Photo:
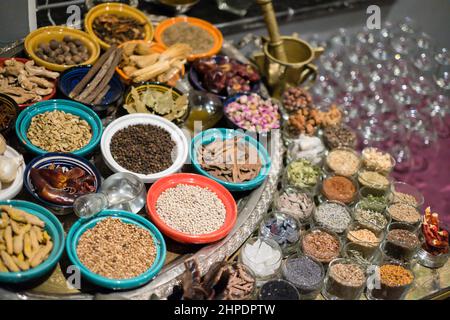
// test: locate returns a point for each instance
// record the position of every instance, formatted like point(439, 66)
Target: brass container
point(298, 68)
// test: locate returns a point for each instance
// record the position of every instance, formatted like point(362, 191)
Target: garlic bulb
point(2, 145)
point(9, 167)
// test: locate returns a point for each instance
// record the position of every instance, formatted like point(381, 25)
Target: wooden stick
point(98, 77)
point(100, 96)
point(80, 86)
point(108, 76)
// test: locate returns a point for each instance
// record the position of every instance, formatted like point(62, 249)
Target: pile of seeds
point(343, 162)
point(302, 174)
point(345, 280)
point(370, 219)
point(278, 290)
point(404, 198)
point(143, 148)
point(394, 280)
point(401, 244)
point(57, 131)
point(339, 136)
point(404, 213)
point(364, 237)
point(321, 245)
point(191, 209)
point(116, 250)
point(373, 179)
point(333, 216)
point(305, 273)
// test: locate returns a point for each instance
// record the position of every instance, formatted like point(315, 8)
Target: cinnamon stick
point(80, 86)
point(100, 96)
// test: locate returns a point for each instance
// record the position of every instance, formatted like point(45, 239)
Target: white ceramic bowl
point(10, 190)
point(139, 118)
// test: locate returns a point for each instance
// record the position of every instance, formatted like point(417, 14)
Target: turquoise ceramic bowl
point(56, 232)
point(210, 135)
point(24, 119)
point(82, 225)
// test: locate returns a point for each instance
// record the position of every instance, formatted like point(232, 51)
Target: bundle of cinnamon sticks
point(95, 84)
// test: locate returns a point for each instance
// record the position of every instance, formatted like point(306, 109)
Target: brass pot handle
point(318, 52)
point(309, 73)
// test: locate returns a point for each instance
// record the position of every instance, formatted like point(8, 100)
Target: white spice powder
point(191, 209)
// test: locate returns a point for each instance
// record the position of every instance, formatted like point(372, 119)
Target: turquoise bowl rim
point(76, 108)
point(82, 225)
point(56, 232)
point(213, 133)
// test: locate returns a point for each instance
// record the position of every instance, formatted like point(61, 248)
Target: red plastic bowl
point(47, 97)
point(197, 180)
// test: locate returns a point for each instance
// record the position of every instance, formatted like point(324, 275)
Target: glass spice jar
point(263, 257)
point(390, 280)
point(302, 175)
point(278, 289)
point(374, 199)
point(332, 215)
point(339, 188)
point(247, 279)
point(401, 241)
point(342, 161)
point(365, 258)
point(370, 218)
point(294, 202)
point(321, 244)
point(377, 160)
point(374, 180)
point(366, 240)
point(345, 280)
point(406, 193)
point(283, 228)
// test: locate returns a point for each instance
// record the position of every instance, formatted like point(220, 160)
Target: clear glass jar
point(368, 247)
point(341, 169)
point(315, 155)
point(366, 258)
point(378, 286)
point(283, 228)
point(265, 262)
point(325, 194)
point(408, 189)
point(305, 273)
point(278, 289)
point(371, 165)
point(309, 249)
point(308, 183)
point(396, 218)
point(250, 276)
point(326, 221)
point(302, 210)
point(401, 250)
point(368, 194)
point(338, 286)
point(372, 185)
point(370, 222)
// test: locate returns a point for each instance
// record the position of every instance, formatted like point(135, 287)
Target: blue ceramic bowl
point(82, 225)
point(24, 119)
point(64, 160)
point(56, 232)
point(195, 80)
point(71, 77)
point(208, 136)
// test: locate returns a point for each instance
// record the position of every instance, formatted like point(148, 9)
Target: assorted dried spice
point(305, 273)
point(241, 283)
point(199, 39)
point(404, 213)
point(68, 51)
point(94, 86)
point(306, 147)
point(370, 219)
point(296, 203)
point(332, 215)
point(191, 209)
point(263, 257)
point(254, 113)
point(232, 160)
point(302, 174)
point(116, 250)
point(24, 83)
point(394, 280)
point(377, 160)
point(363, 237)
point(296, 98)
point(225, 76)
point(401, 244)
point(304, 121)
point(165, 104)
point(278, 290)
point(373, 179)
point(344, 162)
point(339, 136)
point(321, 245)
point(436, 238)
point(115, 29)
point(404, 198)
point(283, 228)
point(61, 185)
point(142, 63)
point(58, 131)
point(143, 148)
point(373, 203)
point(345, 280)
point(339, 188)
point(24, 242)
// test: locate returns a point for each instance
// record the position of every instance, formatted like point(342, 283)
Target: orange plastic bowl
point(196, 180)
point(217, 35)
point(156, 47)
point(47, 97)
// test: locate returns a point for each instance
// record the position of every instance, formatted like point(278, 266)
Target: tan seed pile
point(404, 213)
point(57, 131)
point(116, 250)
point(343, 162)
point(404, 198)
point(364, 237)
point(191, 209)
